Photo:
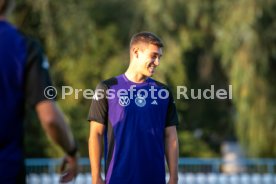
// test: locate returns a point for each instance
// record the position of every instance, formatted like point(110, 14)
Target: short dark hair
point(146, 37)
point(6, 6)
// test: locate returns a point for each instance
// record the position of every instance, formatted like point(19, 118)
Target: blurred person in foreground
point(23, 78)
point(139, 130)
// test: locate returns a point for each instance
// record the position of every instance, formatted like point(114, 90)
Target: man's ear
point(135, 51)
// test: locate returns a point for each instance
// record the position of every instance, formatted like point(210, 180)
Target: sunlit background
point(211, 42)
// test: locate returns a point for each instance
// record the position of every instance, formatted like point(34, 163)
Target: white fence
point(189, 178)
point(192, 171)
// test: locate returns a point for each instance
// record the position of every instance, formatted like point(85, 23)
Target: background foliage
point(212, 42)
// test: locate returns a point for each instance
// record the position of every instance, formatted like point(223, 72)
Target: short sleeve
point(171, 118)
point(37, 76)
point(99, 105)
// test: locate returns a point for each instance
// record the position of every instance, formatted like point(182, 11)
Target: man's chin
point(150, 75)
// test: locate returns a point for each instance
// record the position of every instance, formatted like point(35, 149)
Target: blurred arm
point(53, 123)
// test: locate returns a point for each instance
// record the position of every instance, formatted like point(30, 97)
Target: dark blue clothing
point(135, 125)
point(21, 71)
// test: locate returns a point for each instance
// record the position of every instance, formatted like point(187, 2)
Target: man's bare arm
point(171, 151)
point(55, 126)
point(95, 150)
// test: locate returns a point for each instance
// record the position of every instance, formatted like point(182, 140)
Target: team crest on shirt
point(124, 101)
point(140, 101)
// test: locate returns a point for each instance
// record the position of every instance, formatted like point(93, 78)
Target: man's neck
point(134, 76)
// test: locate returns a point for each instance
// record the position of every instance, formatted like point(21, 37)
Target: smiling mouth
point(151, 69)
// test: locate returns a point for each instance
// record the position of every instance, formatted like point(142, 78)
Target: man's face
point(149, 59)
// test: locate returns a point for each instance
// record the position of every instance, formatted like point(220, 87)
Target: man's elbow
point(49, 121)
point(48, 114)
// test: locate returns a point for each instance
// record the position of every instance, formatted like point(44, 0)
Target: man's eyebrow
point(156, 53)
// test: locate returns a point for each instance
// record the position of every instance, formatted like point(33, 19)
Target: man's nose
point(157, 61)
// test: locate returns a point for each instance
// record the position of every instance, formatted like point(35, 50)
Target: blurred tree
point(85, 44)
point(206, 42)
point(247, 45)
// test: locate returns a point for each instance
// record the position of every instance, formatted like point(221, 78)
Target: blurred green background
point(211, 42)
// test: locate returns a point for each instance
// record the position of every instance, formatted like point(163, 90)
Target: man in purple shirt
point(136, 117)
